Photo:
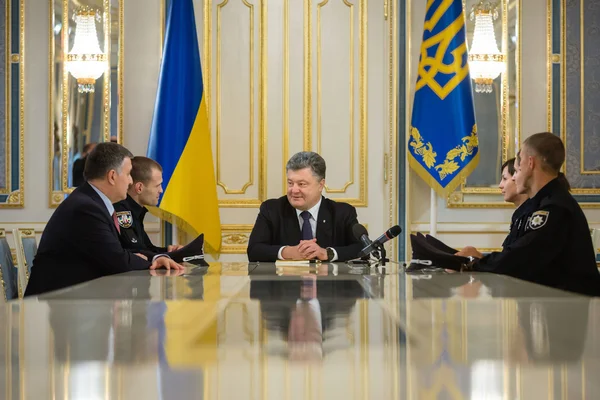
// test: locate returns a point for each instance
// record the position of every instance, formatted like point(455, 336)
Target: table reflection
point(208, 334)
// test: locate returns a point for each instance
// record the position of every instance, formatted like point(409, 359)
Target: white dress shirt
point(314, 213)
point(315, 308)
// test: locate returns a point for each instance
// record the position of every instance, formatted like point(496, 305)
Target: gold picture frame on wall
point(506, 113)
point(12, 131)
point(85, 86)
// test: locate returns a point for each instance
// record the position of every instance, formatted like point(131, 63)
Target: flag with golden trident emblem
point(443, 147)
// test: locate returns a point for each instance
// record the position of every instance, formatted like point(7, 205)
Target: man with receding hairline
point(304, 224)
point(81, 240)
point(555, 248)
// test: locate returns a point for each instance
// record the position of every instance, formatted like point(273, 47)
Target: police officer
point(555, 247)
point(519, 218)
point(509, 191)
point(145, 191)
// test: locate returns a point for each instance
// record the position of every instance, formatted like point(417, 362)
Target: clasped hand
point(305, 250)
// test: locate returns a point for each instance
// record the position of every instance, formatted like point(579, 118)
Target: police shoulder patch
point(538, 219)
point(125, 219)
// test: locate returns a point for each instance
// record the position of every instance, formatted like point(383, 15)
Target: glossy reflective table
point(330, 331)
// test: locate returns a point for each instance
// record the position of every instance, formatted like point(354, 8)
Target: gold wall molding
point(563, 78)
point(235, 238)
point(505, 102)
point(106, 82)
point(236, 198)
point(456, 200)
point(262, 110)
point(551, 58)
point(120, 74)
point(361, 200)
point(391, 154)
point(286, 91)
point(7, 69)
point(64, 155)
point(320, 6)
point(54, 197)
point(582, 169)
point(14, 198)
point(309, 94)
point(218, 100)
point(560, 59)
point(307, 76)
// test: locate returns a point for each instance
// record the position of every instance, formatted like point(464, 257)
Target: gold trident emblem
point(436, 64)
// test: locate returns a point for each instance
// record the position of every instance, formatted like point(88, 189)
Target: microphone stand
point(381, 256)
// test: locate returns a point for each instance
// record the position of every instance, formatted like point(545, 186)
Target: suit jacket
point(278, 298)
point(80, 243)
point(554, 248)
point(277, 225)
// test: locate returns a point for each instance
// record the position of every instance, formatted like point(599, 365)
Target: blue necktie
point(306, 229)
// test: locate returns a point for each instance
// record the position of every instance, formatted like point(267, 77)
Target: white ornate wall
point(478, 226)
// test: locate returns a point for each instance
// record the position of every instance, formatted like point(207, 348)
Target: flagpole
point(433, 214)
point(174, 233)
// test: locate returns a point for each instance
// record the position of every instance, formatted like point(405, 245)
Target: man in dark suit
point(81, 240)
point(304, 224)
point(305, 312)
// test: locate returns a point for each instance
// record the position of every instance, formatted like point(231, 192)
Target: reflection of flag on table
point(443, 147)
point(191, 325)
point(180, 138)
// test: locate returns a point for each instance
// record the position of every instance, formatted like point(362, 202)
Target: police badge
point(125, 219)
point(538, 219)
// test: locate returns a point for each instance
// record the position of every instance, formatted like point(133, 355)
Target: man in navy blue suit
point(81, 240)
point(304, 224)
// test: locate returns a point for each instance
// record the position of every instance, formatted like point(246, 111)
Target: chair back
point(595, 239)
point(26, 246)
point(8, 272)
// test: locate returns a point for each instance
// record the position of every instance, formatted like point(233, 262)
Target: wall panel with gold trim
point(12, 70)
point(236, 83)
point(286, 76)
point(573, 82)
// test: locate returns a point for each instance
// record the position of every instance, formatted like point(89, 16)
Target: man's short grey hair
point(307, 159)
point(105, 157)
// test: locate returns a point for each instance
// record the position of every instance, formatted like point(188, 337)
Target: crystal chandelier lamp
point(86, 62)
point(486, 62)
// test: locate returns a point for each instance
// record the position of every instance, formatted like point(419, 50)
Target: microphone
point(389, 234)
point(360, 233)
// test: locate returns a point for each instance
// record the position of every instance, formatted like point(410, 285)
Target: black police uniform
point(130, 216)
point(554, 248)
point(518, 222)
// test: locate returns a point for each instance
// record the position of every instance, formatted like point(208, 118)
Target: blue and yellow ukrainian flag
point(443, 147)
point(180, 138)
